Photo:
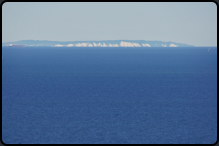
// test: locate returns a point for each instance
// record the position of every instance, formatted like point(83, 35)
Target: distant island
point(102, 43)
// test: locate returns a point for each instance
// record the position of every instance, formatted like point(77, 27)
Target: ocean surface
point(109, 95)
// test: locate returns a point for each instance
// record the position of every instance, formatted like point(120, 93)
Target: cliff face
point(102, 43)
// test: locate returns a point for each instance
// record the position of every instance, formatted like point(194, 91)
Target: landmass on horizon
point(102, 43)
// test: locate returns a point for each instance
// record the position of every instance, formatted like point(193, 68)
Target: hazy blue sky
point(189, 23)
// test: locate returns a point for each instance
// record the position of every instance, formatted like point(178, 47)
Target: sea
point(107, 95)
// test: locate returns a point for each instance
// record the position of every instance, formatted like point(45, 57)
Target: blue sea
point(61, 95)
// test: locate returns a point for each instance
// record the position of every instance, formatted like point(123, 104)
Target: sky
point(192, 23)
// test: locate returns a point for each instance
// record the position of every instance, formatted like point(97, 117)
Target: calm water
point(109, 95)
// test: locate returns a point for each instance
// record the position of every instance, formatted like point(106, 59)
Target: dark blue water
point(109, 95)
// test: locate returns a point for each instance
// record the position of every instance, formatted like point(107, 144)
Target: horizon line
point(108, 40)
